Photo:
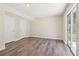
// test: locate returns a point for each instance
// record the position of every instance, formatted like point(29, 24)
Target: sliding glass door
point(71, 30)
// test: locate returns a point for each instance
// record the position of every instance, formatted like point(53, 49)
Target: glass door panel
point(73, 40)
point(69, 29)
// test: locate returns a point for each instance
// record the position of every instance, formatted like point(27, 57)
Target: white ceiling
point(38, 10)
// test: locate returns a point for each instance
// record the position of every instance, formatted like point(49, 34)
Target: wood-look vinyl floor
point(36, 47)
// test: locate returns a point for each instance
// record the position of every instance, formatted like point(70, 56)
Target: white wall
point(20, 27)
point(50, 27)
point(2, 45)
point(5, 16)
point(24, 28)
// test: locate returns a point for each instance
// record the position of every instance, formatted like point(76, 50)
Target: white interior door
point(9, 28)
point(22, 28)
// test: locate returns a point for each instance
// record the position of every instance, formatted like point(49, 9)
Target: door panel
point(22, 28)
point(9, 32)
point(69, 29)
point(73, 40)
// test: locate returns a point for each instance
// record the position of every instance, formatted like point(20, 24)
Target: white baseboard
point(64, 41)
point(16, 39)
point(47, 37)
point(2, 48)
point(21, 38)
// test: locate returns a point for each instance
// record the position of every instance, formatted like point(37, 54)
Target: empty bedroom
point(38, 29)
